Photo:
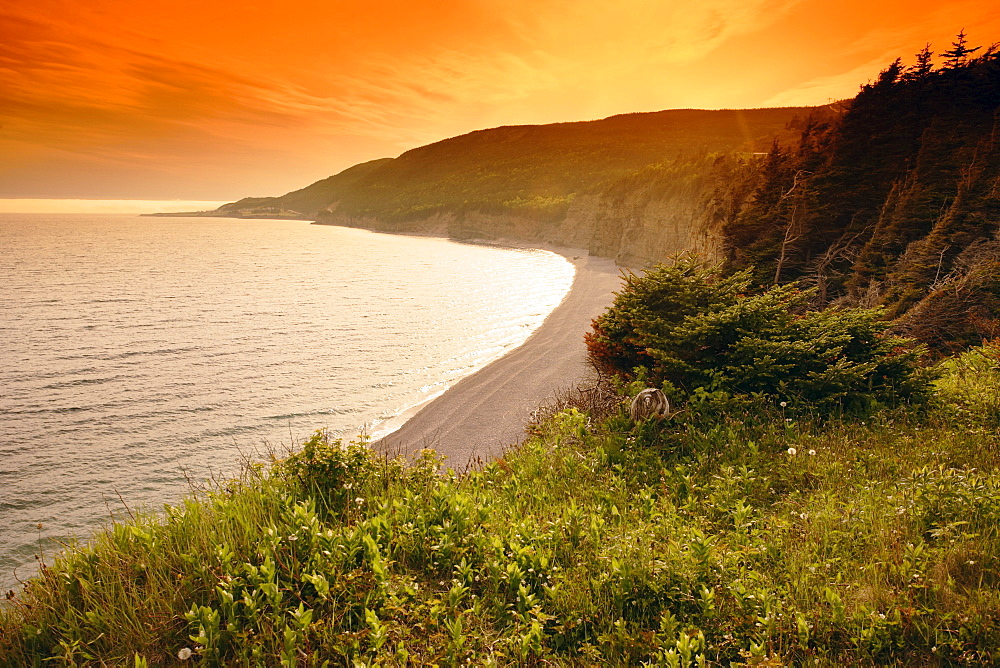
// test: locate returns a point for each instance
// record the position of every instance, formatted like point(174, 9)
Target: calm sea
point(137, 351)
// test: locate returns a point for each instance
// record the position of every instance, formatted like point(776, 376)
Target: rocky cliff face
point(635, 229)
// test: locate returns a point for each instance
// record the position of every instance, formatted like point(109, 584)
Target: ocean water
point(137, 353)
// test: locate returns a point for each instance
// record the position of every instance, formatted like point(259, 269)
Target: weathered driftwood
point(651, 402)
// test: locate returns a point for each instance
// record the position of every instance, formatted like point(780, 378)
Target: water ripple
point(165, 346)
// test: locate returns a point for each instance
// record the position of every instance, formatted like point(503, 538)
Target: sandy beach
point(485, 413)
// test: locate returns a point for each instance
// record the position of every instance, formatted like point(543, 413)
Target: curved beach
point(485, 413)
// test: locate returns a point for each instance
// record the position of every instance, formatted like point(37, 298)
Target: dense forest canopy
point(896, 203)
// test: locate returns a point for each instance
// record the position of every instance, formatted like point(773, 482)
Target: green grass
point(699, 538)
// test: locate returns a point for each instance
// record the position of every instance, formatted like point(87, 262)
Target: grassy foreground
point(724, 534)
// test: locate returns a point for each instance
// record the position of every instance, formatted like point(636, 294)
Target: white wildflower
point(184, 654)
point(359, 500)
point(812, 453)
point(792, 451)
point(783, 404)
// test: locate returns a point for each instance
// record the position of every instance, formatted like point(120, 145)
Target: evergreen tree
point(697, 331)
point(923, 67)
point(959, 53)
point(879, 209)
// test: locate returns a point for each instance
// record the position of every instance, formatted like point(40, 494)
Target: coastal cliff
point(636, 220)
point(635, 187)
point(632, 229)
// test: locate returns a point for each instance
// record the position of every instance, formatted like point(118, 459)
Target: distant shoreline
point(213, 214)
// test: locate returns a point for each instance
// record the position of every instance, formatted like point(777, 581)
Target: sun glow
point(224, 99)
point(105, 205)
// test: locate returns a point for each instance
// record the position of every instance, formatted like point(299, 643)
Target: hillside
point(538, 169)
point(896, 205)
point(308, 201)
point(534, 182)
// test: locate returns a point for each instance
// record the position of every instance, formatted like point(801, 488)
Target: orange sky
point(214, 99)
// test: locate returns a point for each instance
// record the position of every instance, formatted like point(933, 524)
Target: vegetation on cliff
point(895, 204)
point(529, 170)
point(536, 170)
point(703, 334)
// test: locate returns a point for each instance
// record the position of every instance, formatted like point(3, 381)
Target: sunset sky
point(216, 100)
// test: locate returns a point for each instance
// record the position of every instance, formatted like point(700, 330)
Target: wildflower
point(783, 404)
point(792, 451)
point(359, 500)
point(184, 654)
point(812, 453)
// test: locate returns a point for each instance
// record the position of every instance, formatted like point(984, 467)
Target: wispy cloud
point(830, 88)
point(192, 88)
point(79, 90)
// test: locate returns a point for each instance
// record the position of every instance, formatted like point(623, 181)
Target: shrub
point(703, 332)
point(329, 469)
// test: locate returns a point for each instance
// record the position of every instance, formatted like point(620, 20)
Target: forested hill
point(532, 170)
point(897, 204)
point(538, 169)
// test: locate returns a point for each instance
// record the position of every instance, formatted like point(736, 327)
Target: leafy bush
point(702, 332)
point(330, 469)
point(970, 386)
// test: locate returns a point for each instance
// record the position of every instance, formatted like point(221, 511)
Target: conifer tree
point(899, 188)
point(960, 51)
point(923, 66)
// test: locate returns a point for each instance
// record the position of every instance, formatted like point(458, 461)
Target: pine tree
point(923, 66)
point(959, 53)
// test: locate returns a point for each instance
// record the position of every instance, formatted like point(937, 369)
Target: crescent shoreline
point(485, 413)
